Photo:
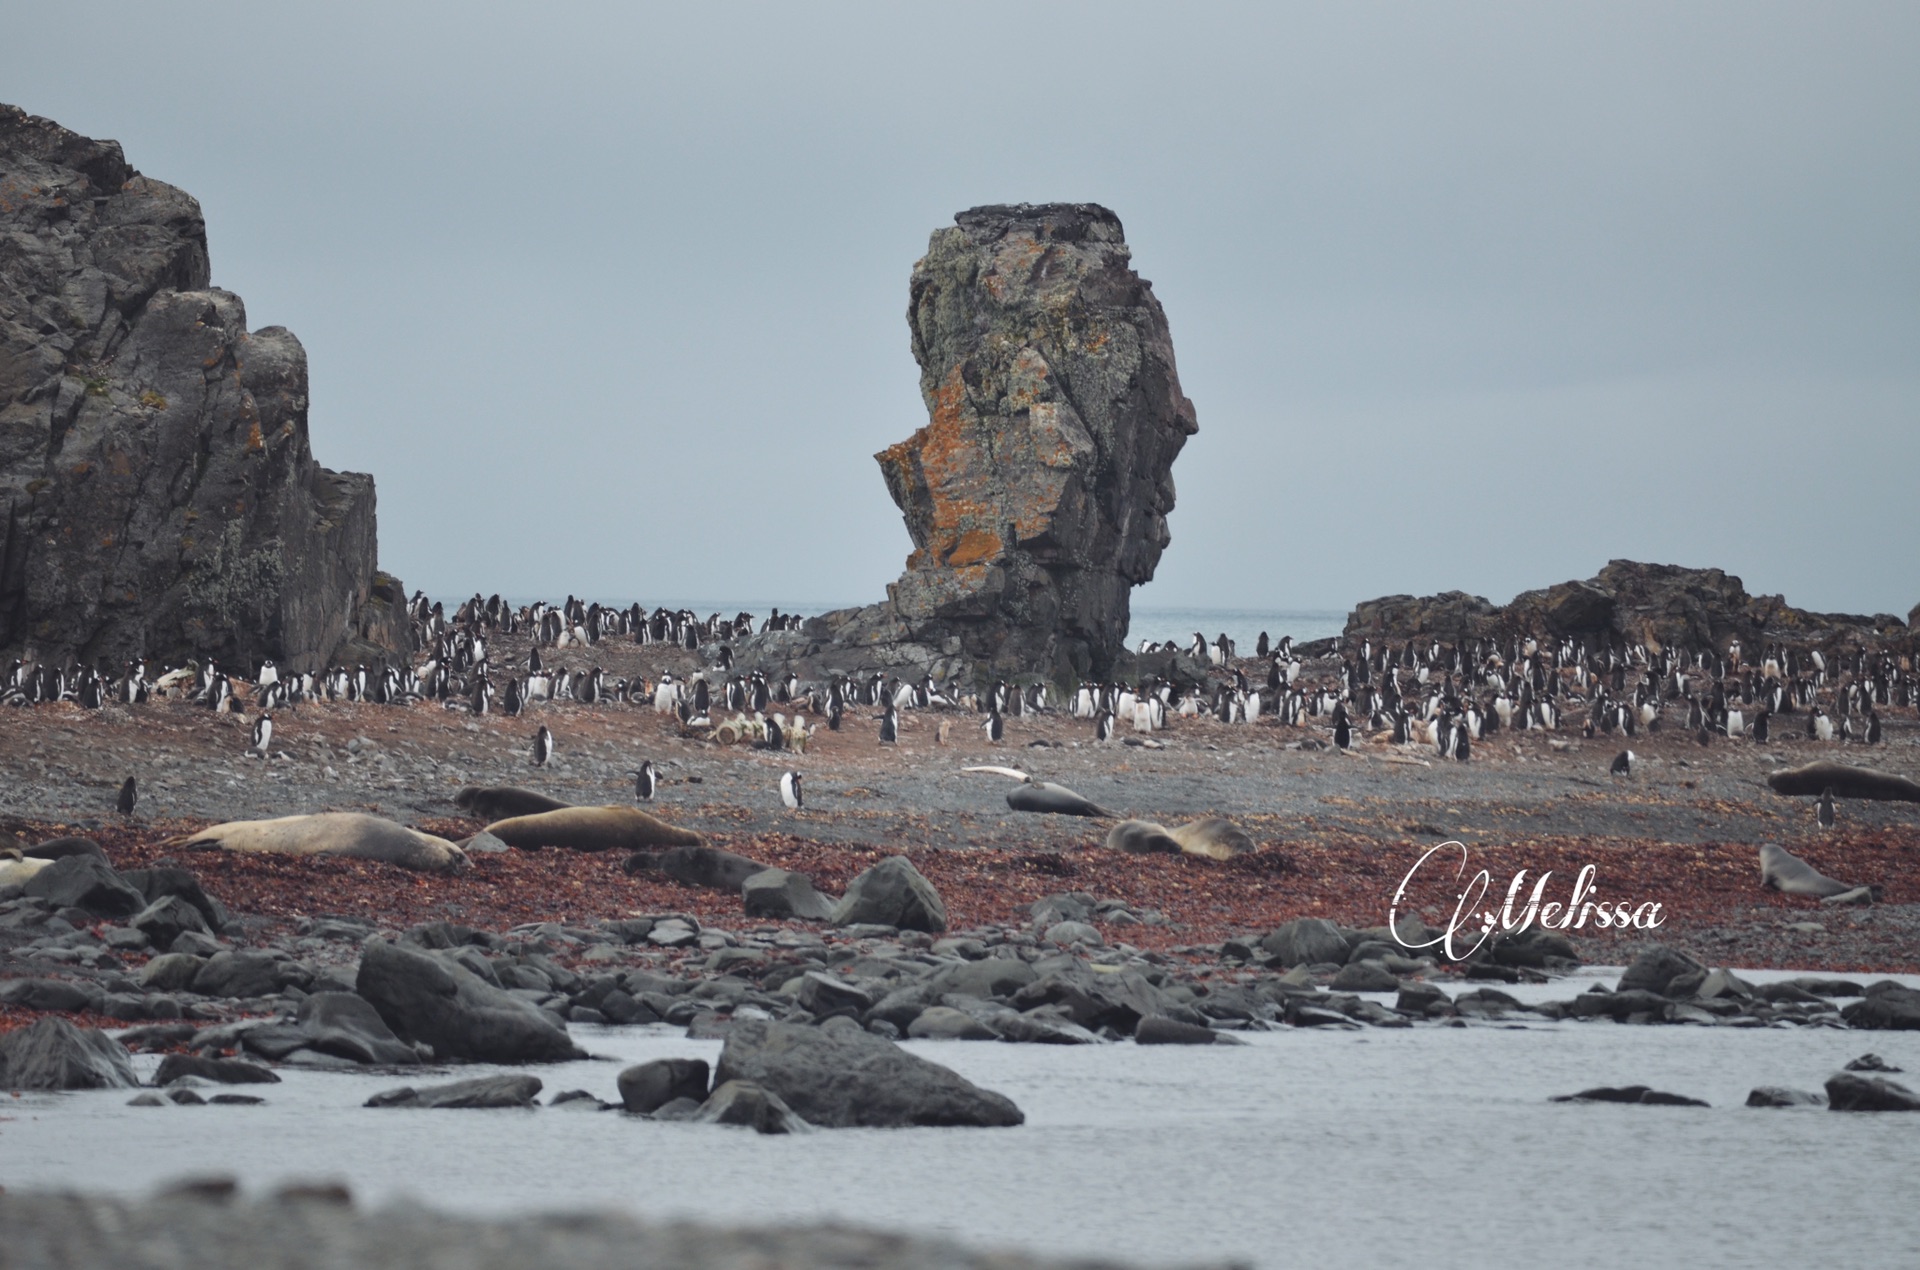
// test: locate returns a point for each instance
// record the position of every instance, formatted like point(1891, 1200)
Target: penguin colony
point(1421, 695)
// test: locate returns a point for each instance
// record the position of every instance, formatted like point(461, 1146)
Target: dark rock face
point(892, 893)
point(86, 881)
point(1659, 604)
point(157, 493)
point(845, 1078)
point(1848, 1092)
point(54, 1054)
point(1037, 494)
point(436, 1000)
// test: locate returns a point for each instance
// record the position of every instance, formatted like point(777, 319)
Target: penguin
point(834, 712)
point(1762, 726)
point(1342, 731)
point(1622, 764)
point(790, 790)
point(1824, 812)
point(776, 733)
point(129, 795)
point(996, 727)
point(1103, 730)
point(1873, 727)
point(542, 746)
point(262, 734)
point(645, 781)
point(1703, 737)
point(890, 725)
point(513, 698)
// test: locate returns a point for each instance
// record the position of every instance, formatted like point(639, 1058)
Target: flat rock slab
point(482, 1091)
point(842, 1077)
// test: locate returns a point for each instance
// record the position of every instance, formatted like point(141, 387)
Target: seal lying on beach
point(609, 828)
point(697, 866)
point(344, 833)
point(1790, 875)
point(1215, 837)
point(1045, 797)
point(15, 869)
point(498, 802)
point(1845, 781)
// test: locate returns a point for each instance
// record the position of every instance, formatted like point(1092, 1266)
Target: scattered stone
point(1655, 970)
point(892, 893)
point(845, 1077)
point(1871, 1063)
point(164, 920)
point(440, 1002)
point(1776, 1096)
point(1849, 1092)
point(780, 895)
point(1631, 1094)
point(1305, 941)
point(221, 1071)
point(482, 1091)
point(85, 881)
point(647, 1087)
point(741, 1102)
point(1365, 976)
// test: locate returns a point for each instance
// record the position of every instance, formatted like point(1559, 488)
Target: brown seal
point(609, 828)
point(697, 866)
point(1846, 782)
point(1789, 874)
point(343, 833)
point(1215, 837)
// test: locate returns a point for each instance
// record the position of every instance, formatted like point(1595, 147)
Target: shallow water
point(1435, 1146)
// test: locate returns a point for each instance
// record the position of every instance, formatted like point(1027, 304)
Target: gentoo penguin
point(542, 746)
point(1824, 813)
point(262, 734)
point(513, 698)
point(129, 795)
point(1103, 730)
point(1622, 764)
point(1762, 725)
point(790, 790)
point(1703, 736)
point(645, 781)
point(1873, 727)
point(1342, 731)
point(996, 727)
point(889, 725)
point(776, 734)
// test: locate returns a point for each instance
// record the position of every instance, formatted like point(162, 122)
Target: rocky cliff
point(1659, 604)
point(157, 492)
point(1037, 494)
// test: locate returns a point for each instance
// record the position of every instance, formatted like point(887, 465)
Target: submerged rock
point(842, 1077)
point(482, 1091)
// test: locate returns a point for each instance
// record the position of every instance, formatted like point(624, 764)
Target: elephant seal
point(15, 870)
point(697, 866)
point(498, 802)
point(1048, 798)
point(609, 828)
point(1141, 837)
point(1215, 837)
point(1846, 782)
point(61, 848)
point(1787, 873)
point(342, 833)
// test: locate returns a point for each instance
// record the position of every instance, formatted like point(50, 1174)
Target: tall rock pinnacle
point(158, 496)
point(1037, 494)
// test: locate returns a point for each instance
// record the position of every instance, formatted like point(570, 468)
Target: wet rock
point(221, 1071)
point(1776, 1096)
point(1365, 976)
point(48, 994)
point(892, 893)
point(157, 883)
point(235, 1100)
point(166, 919)
point(241, 974)
point(779, 894)
point(1037, 495)
point(480, 1092)
point(707, 867)
point(1655, 970)
point(171, 972)
point(945, 1023)
point(51, 1053)
point(83, 881)
point(1067, 934)
point(844, 1077)
point(437, 1001)
point(1848, 1091)
point(1871, 1063)
point(647, 1087)
point(1885, 1007)
point(744, 1103)
point(1305, 941)
point(1633, 1094)
point(1157, 1029)
point(137, 398)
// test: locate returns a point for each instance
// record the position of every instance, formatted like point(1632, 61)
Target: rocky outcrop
point(1660, 605)
point(1037, 494)
point(158, 495)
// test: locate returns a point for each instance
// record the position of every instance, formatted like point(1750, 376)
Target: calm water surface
point(1428, 1146)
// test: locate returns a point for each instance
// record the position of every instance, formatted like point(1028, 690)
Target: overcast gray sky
point(612, 299)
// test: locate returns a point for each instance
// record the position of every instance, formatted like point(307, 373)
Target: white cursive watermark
point(1514, 915)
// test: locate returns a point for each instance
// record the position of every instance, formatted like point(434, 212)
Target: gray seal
point(502, 802)
point(1845, 781)
point(1787, 873)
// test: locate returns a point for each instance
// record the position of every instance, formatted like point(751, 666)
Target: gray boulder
point(1886, 1007)
point(1850, 1091)
point(741, 1102)
point(842, 1077)
point(483, 1091)
point(156, 883)
point(1306, 941)
point(51, 1053)
point(171, 972)
point(944, 1023)
point(48, 994)
point(242, 974)
point(1776, 1096)
point(1157, 1029)
point(437, 1001)
point(1364, 976)
point(164, 920)
point(780, 895)
point(892, 893)
point(347, 1026)
point(1655, 970)
point(84, 880)
point(221, 1071)
point(647, 1087)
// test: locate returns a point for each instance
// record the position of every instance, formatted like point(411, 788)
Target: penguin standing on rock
point(790, 790)
point(645, 781)
point(542, 746)
point(1824, 812)
point(262, 734)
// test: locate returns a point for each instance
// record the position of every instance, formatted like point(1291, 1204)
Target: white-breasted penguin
point(645, 781)
point(790, 790)
point(542, 746)
point(996, 727)
point(889, 725)
point(1622, 764)
point(262, 734)
point(1824, 812)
